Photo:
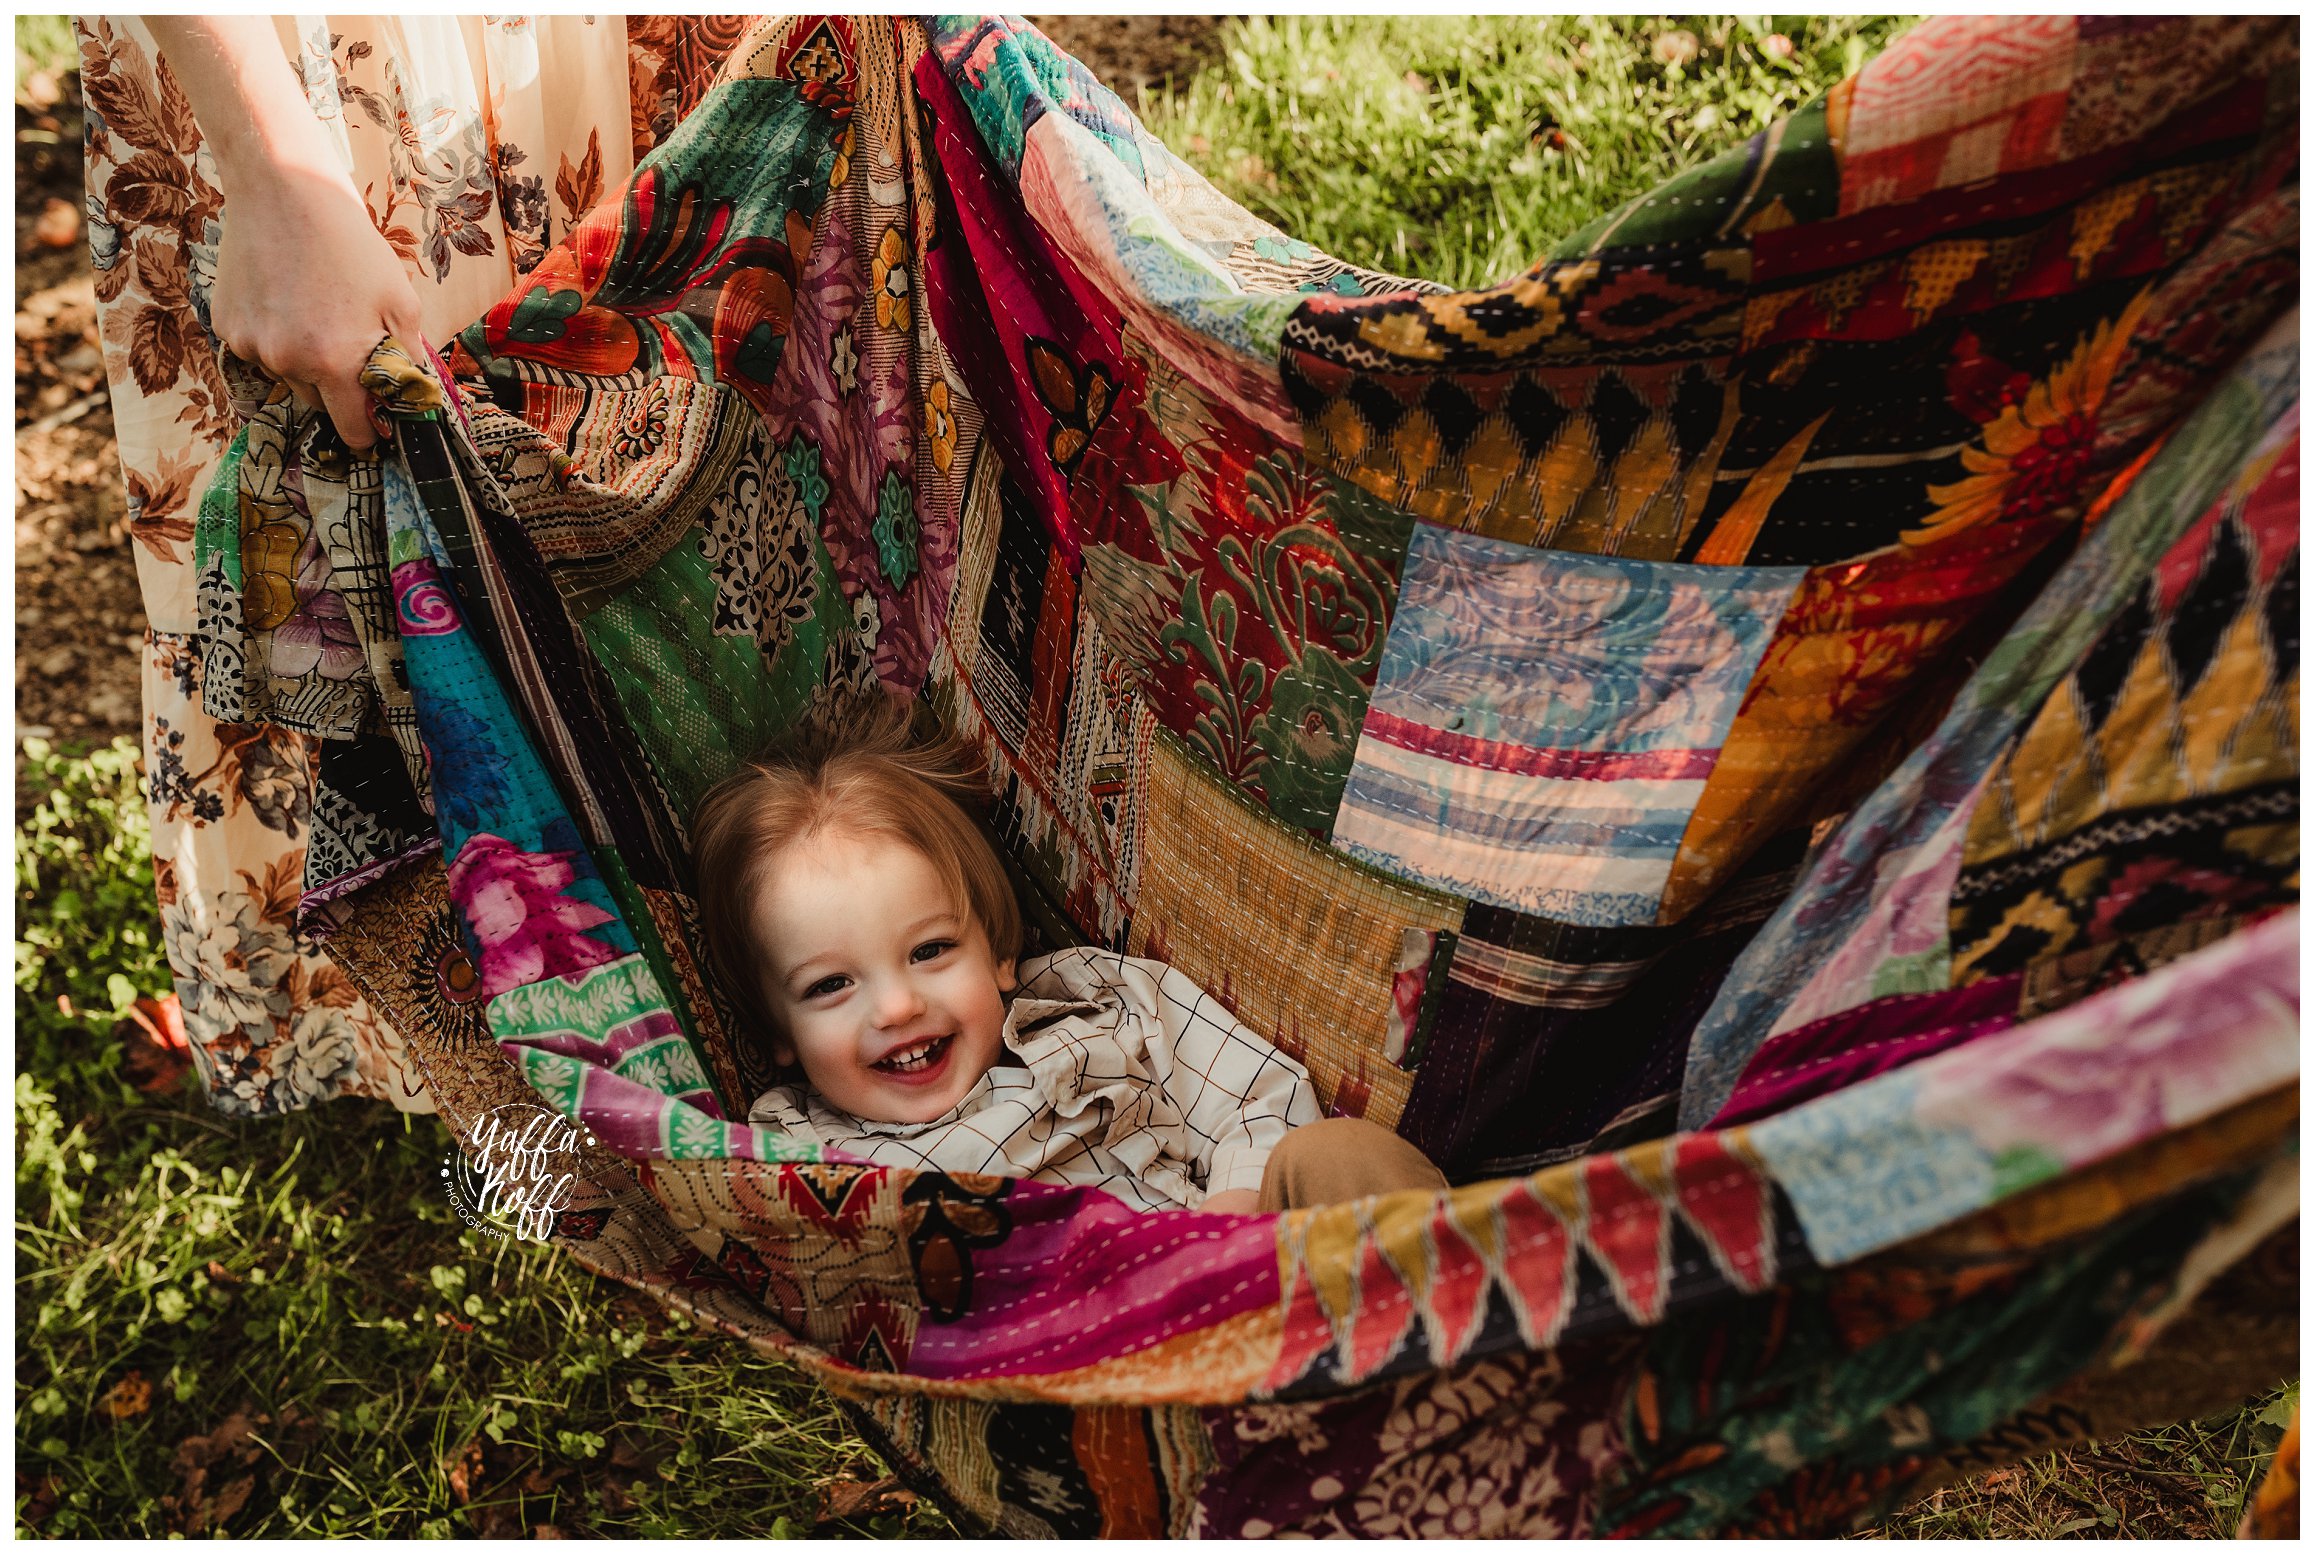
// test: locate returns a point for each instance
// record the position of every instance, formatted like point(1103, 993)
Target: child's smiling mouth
point(917, 1061)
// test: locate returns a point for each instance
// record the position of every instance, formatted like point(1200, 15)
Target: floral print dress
point(476, 142)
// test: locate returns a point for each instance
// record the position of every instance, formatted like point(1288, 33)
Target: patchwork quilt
point(1766, 744)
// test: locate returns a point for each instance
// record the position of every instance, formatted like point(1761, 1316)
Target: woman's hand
point(1236, 1201)
point(306, 284)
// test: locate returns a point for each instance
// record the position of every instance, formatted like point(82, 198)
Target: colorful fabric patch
point(1841, 1050)
point(2159, 783)
point(1543, 724)
point(1011, 75)
point(1024, 671)
point(1383, 1285)
point(1787, 173)
point(1595, 444)
point(1872, 1165)
point(1836, 942)
point(1490, 1450)
point(1173, 292)
point(2126, 74)
point(1299, 942)
point(1249, 599)
point(646, 284)
point(1778, 1425)
point(1957, 99)
point(1036, 343)
point(1856, 640)
point(1551, 1040)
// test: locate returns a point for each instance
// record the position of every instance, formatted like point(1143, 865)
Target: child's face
point(883, 988)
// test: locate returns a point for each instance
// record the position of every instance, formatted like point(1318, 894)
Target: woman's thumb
point(408, 330)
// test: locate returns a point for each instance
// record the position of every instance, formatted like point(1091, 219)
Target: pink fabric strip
point(1083, 1279)
point(1888, 1033)
point(1469, 750)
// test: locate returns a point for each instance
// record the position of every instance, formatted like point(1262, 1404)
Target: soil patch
point(79, 618)
point(1134, 53)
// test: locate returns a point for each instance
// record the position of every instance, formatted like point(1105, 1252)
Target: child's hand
point(1238, 1201)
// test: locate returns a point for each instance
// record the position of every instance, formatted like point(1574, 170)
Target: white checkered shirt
point(1131, 1078)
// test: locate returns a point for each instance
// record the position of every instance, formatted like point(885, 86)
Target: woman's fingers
point(336, 391)
point(343, 400)
point(349, 406)
point(408, 330)
point(306, 281)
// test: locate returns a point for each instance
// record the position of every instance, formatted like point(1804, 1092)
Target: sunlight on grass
point(44, 43)
point(1459, 149)
point(280, 1326)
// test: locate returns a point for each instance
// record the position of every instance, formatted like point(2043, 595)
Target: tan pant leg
point(1338, 1159)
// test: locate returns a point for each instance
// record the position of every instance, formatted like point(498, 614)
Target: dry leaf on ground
point(464, 1468)
point(215, 1474)
point(43, 1492)
point(843, 1498)
point(127, 1398)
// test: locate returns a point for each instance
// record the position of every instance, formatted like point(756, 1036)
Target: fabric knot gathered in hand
point(401, 383)
point(292, 559)
point(397, 383)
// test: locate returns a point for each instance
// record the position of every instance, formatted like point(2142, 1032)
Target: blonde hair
point(859, 768)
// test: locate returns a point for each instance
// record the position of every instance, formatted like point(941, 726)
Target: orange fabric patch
point(1855, 638)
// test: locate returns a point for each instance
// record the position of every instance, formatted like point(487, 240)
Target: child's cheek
point(811, 1049)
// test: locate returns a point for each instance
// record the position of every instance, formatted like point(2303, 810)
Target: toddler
point(858, 916)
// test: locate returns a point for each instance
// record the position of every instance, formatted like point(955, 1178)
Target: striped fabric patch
point(1543, 722)
point(1541, 982)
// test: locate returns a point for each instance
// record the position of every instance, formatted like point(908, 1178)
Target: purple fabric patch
point(525, 921)
point(1856, 1044)
point(1508, 1447)
point(1003, 270)
point(1082, 1278)
point(1038, 344)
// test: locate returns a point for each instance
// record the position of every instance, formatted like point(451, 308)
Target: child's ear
point(1006, 981)
point(783, 1051)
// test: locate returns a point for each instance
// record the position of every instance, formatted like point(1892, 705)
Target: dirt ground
point(79, 617)
point(1132, 52)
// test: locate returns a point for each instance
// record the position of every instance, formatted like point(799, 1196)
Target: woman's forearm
point(248, 101)
point(306, 284)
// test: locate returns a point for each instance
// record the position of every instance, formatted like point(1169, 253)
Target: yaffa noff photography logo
point(518, 1172)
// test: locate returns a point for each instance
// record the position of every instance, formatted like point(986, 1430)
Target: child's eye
point(931, 949)
point(834, 983)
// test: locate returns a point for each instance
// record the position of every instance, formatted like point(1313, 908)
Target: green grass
point(44, 43)
point(2189, 1480)
point(1460, 149)
point(309, 1270)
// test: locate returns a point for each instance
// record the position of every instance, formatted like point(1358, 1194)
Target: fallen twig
point(2139, 1469)
point(72, 412)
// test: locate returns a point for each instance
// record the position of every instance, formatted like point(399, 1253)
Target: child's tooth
point(912, 1058)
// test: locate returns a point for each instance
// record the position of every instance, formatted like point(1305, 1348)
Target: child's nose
point(898, 1001)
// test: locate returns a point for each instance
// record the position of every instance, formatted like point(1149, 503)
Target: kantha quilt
point(1766, 744)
